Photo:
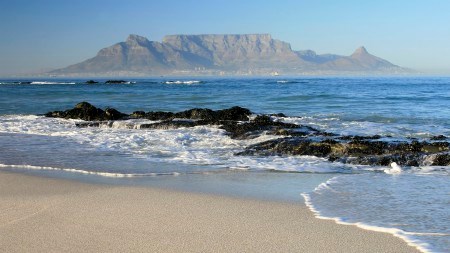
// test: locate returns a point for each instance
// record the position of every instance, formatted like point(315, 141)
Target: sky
point(39, 35)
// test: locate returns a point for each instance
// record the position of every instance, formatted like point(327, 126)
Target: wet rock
point(88, 112)
point(438, 138)
point(363, 152)
point(234, 113)
point(88, 124)
point(55, 114)
point(359, 138)
point(289, 146)
point(91, 82)
point(197, 113)
point(117, 82)
point(169, 124)
point(213, 117)
point(159, 115)
point(137, 115)
point(85, 111)
point(441, 160)
point(254, 128)
point(262, 120)
point(113, 114)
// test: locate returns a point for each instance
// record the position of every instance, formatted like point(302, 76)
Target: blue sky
point(44, 34)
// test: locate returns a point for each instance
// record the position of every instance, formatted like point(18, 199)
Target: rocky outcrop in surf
point(362, 152)
point(88, 112)
point(293, 139)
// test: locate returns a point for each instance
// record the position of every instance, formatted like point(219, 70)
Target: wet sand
point(40, 214)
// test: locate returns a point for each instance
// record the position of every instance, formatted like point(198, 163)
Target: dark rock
point(291, 132)
point(55, 114)
point(88, 124)
point(88, 112)
point(159, 115)
point(197, 113)
point(364, 152)
point(138, 115)
point(248, 130)
point(384, 160)
point(281, 115)
point(441, 160)
point(438, 138)
point(234, 113)
point(85, 111)
point(330, 141)
point(289, 146)
point(91, 82)
point(169, 124)
point(117, 82)
point(358, 148)
point(113, 114)
point(263, 120)
point(359, 138)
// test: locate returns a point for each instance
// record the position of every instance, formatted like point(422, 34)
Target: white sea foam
point(395, 169)
point(46, 82)
point(334, 124)
point(409, 206)
point(431, 170)
point(201, 145)
point(36, 82)
point(421, 246)
point(91, 172)
point(188, 82)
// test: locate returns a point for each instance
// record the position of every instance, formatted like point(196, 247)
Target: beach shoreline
point(42, 214)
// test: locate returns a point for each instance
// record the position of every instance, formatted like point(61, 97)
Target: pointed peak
point(136, 38)
point(360, 50)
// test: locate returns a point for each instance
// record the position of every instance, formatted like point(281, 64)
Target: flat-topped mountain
point(239, 54)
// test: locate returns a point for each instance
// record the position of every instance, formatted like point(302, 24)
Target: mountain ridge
point(221, 54)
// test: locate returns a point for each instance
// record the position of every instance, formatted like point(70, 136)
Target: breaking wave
point(189, 82)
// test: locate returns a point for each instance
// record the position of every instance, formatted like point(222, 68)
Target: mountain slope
point(234, 51)
point(219, 53)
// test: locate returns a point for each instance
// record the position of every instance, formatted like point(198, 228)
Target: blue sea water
point(414, 205)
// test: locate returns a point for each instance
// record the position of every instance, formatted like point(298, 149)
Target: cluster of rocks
point(297, 140)
point(88, 112)
point(362, 152)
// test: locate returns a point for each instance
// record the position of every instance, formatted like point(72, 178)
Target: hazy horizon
point(44, 35)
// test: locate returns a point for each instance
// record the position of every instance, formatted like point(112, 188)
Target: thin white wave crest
point(89, 172)
point(419, 245)
point(188, 82)
point(291, 81)
point(47, 82)
point(34, 83)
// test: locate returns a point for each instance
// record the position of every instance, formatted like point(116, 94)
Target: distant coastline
point(223, 55)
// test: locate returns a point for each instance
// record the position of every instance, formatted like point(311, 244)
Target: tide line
point(419, 245)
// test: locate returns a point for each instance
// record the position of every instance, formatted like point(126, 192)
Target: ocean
point(413, 204)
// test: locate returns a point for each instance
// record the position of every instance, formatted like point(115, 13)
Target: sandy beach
point(54, 215)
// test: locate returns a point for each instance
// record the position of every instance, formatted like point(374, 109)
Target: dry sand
point(53, 215)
